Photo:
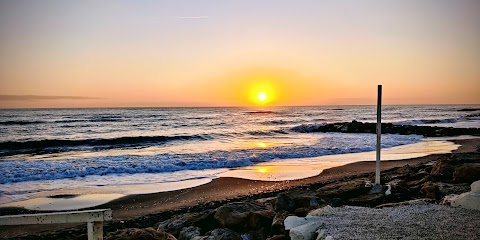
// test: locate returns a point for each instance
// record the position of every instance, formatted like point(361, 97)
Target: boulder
point(294, 221)
point(310, 202)
point(344, 189)
point(475, 187)
point(284, 202)
point(278, 237)
point(327, 210)
point(429, 190)
point(442, 170)
point(469, 200)
point(203, 220)
point(278, 226)
point(220, 234)
point(243, 216)
point(305, 231)
point(188, 233)
point(367, 200)
point(467, 173)
point(301, 212)
point(139, 234)
point(449, 188)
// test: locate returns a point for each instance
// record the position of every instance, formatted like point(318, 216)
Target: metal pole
point(379, 134)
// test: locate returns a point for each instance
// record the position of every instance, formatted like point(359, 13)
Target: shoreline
point(135, 209)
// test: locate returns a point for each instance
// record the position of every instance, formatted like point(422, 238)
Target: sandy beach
point(145, 209)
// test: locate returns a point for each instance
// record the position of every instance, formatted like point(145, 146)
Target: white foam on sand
point(292, 169)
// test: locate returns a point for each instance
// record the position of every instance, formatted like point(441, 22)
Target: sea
point(44, 150)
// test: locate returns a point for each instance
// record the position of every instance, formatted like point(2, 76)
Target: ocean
point(45, 150)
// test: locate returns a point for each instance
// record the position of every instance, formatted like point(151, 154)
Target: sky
point(237, 53)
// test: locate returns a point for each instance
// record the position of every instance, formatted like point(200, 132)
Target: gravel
point(429, 221)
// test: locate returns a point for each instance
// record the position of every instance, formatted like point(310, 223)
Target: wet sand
point(139, 206)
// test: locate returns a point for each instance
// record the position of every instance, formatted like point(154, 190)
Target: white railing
point(93, 218)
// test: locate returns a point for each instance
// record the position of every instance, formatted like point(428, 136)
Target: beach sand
point(134, 207)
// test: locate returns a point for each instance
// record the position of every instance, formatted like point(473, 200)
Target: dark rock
point(284, 202)
point(176, 224)
point(278, 237)
point(260, 234)
point(442, 170)
point(467, 173)
point(336, 202)
point(188, 233)
point(368, 200)
point(243, 215)
point(221, 234)
point(278, 226)
point(139, 234)
point(301, 212)
point(429, 190)
point(310, 202)
point(448, 188)
point(344, 189)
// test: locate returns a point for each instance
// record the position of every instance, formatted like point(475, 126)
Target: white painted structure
point(93, 218)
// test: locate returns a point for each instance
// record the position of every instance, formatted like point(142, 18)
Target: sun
point(262, 96)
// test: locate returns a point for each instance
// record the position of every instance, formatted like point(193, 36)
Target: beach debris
point(389, 190)
point(305, 231)
point(368, 183)
point(284, 202)
point(322, 211)
point(469, 200)
point(139, 233)
point(278, 237)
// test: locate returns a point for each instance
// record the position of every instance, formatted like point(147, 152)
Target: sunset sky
point(237, 53)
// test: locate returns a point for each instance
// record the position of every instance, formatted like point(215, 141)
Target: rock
point(344, 189)
point(467, 173)
point(327, 210)
point(467, 200)
point(277, 223)
point(260, 234)
point(423, 201)
point(301, 212)
point(305, 231)
point(188, 233)
point(336, 202)
point(442, 170)
point(220, 234)
point(284, 202)
point(448, 188)
point(329, 238)
point(429, 190)
point(310, 202)
point(367, 200)
point(243, 215)
point(475, 187)
point(203, 220)
point(139, 234)
point(278, 237)
point(294, 221)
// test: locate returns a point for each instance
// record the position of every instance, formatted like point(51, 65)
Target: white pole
point(379, 134)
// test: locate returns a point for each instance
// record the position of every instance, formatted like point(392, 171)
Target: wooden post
point(379, 134)
point(95, 230)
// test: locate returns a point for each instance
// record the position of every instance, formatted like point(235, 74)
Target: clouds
point(41, 97)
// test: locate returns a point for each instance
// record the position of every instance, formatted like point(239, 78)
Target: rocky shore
point(262, 216)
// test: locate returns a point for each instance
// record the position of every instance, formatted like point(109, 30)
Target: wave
point(20, 122)
point(125, 141)
point(330, 143)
